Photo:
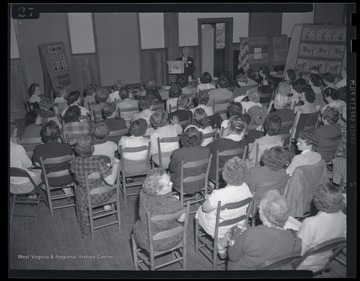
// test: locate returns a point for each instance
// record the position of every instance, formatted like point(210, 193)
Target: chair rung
point(206, 256)
point(62, 196)
point(63, 206)
point(169, 262)
point(110, 223)
point(28, 216)
point(25, 203)
point(157, 254)
point(104, 214)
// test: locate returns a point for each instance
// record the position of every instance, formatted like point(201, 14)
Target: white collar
point(305, 151)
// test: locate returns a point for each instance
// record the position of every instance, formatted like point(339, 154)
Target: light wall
point(290, 19)
point(188, 26)
point(81, 33)
point(152, 30)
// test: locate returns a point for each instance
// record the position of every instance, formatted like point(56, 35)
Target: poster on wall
point(57, 69)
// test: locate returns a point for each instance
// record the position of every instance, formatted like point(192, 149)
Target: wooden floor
point(55, 243)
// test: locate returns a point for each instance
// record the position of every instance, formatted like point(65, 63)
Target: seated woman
point(183, 109)
point(127, 102)
point(200, 122)
point(156, 199)
point(329, 223)
point(233, 140)
point(152, 92)
point(220, 93)
point(307, 143)
point(159, 121)
point(271, 138)
point(295, 90)
point(307, 97)
point(32, 122)
point(329, 134)
point(332, 98)
point(52, 148)
point(251, 247)
point(282, 100)
point(174, 94)
point(273, 170)
point(114, 92)
point(75, 98)
point(236, 190)
point(205, 82)
point(243, 86)
point(99, 175)
point(35, 95)
point(19, 159)
point(254, 98)
point(186, 89)
point(45, 108)
point(60, 95)
point(72, 125)
point(137, 132)
point(233, 109)
point(102, 146)
point(191, 150)
point(112, 121)
point(315, 82)
point(201, 100)
point(89, 95)
point(145, 105)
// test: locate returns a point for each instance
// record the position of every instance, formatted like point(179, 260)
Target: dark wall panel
point(18, 90)
point(265, 24)
point(86, 70)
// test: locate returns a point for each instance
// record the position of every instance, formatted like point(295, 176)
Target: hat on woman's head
point(84, 146)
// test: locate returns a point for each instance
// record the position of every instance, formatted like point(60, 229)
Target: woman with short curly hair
point(251, 247)
point(162, 129)
point(273, 170)
point(156, 199)
point(201, 100)
point(236, 190)
point(329, 223)
point(308, 97)
point(201, 122)
point(191, 150)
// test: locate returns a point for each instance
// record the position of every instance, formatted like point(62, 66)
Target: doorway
point(215, 45)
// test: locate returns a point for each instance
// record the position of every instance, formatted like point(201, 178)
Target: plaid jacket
point(75, 128)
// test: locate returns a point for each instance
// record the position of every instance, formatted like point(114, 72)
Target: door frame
point(228, 63)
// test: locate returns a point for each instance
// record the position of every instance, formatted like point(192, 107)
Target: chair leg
point(134, 251)
point(196, 235)
point(48, 193)
point(91, 221)
point(184, 256)
point(12, 208)
point(38, 206)
point(215, 251)
point(118, 209)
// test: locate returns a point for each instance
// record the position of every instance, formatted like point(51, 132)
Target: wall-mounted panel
point(81, 33)
point(117, 47)
point(152, 30)
point(188, 32)
point(18, 91)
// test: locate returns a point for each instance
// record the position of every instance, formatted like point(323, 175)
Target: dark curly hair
point(72, 114)
point(124, 92)
point(310, 137)
point(264, 70)
point(331, 115)
point(138, 127)
point(72, 97)
point(151, 184)
point(50, 132)
point(275, 158)
point(235, 171)
point(328, 198)
point(32, 89)
point(191, 137)
point(175, 90)
point(315, 79)
point(332, 93)
point(205, 78)
point(299, 85)
point(200, 118)
point(202, 97)
point(273, 125)
point(234, 108)
point(309, 95)
point(30, 117)
point(108, 109)
point(328, 77)
point(223, 82)
point(182, 80)
point(292, 74)
point(237, 124)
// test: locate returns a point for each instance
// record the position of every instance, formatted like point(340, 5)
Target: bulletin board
point(317, 45)
point(280, 48)
point(57, 68)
